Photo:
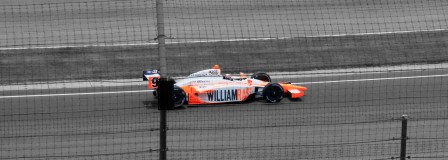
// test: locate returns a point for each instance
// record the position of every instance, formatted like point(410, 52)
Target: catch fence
point(71, 88)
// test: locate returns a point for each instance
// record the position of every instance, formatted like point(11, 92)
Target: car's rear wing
point(152, 76)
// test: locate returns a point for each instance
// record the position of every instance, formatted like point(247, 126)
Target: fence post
point(404, 137)
point(165, 86)
point(161, 37)
point(165, 102)
point(163, 147)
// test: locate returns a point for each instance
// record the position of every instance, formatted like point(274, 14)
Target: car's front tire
point(273, 93)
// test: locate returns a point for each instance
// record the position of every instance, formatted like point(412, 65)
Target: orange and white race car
point(210, 87)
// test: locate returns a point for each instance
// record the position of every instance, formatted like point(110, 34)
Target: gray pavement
point(343, 120)
point(296, 77)
point(51, 23)
point(334, 121)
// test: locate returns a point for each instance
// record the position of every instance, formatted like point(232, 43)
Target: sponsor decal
point(228, 95)
point(200, 81)
point(244, 93)
point(223, 95)
point(200, 75)
point(249, 82)
point(151, 72)
point(154, 82)
point(206, 73)
point(213, 72)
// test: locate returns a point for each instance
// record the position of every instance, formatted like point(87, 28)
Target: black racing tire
point(261, 76)
point(179, 96)
point(155, 93)
point(273, 93)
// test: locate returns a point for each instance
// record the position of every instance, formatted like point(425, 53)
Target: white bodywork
point(214, 88)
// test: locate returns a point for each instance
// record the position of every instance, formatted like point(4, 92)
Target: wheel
point(155, 93)
point(261, 76)
point(179, 96)
point(273, 93)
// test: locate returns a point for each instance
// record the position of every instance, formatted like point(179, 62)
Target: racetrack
point(62, 23)
point(105, 40)
point(336, 120)
point(352, 113)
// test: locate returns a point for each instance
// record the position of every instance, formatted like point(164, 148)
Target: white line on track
point(137, 44)
point(377, 33)
point(373, 79)
point(139, 91)
point(219, 40)
point(74, 94)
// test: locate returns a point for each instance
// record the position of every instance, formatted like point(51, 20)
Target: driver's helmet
point(227, 76)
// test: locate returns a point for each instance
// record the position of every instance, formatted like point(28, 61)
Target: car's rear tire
point(155, 93)
point(261, 76)
point(273, 93)
point(179, 96)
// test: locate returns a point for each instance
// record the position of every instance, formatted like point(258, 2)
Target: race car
point(210, 87)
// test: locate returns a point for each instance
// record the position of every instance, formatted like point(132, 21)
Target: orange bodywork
point(210, 87)
point(192, 94)
point(152, 82)
point(296, 91)
point(242, 94)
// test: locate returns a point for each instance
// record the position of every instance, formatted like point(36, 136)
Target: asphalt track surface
point(64, 23)
point(355, 119)
point(336, 120)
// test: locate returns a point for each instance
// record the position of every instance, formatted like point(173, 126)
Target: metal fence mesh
point(69, 87)
point(70, 80)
